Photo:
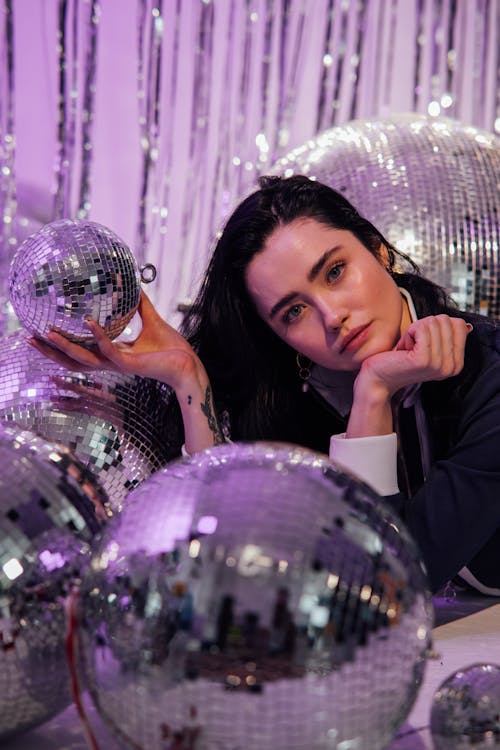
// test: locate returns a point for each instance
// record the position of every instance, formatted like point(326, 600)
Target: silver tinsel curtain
point(155, 117)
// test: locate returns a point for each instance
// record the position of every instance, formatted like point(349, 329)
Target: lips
point(353, 338)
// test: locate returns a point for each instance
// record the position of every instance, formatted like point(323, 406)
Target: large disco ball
point(114, 423)
point(50, 509)
point(465, 711)
point(69, 270)
point(255, 598)
point(429, 184)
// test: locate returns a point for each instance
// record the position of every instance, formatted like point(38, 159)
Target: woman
point(305, 330)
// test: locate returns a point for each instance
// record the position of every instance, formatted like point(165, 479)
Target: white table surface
point(471, 639)
point(458, 644)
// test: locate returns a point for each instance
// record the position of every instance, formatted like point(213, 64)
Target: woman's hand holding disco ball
point(159, 352)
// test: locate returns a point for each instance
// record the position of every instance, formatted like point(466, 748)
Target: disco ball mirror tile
point(465, 712)
point(430, 185)
point(254, 597)
point(71, 269)
point(50, 509)
point(114, 423)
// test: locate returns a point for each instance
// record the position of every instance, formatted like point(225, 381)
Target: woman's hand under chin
point(429, 349)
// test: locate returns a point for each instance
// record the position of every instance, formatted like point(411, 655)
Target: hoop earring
point(304, 372)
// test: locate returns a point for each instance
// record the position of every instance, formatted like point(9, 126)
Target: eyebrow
point(313, 273)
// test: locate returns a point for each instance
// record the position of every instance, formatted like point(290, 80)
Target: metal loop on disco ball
point(254, 597)
point(430, 185)
point(114, 423)
point(70, 270)
point(148, 273)
point(465, 711)
point(50, 508)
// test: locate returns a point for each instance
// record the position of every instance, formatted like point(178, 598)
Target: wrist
point(371, 412)
point(191, 382)
point(201, 426)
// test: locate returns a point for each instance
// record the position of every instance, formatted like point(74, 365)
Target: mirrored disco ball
point(114, 423)
point(254, 597)
point(430, 185)
point(465, 711)
point(70, 269)
point(50, 509)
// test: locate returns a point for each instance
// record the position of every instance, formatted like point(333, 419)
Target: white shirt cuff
point(373, 459)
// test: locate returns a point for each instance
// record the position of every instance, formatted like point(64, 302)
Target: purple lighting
point(207, 524)
point(52, 560)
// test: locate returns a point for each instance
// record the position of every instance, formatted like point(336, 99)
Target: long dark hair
point(252, 371)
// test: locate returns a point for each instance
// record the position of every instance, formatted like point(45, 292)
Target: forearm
point(369, 446)
point(201, 427)
point(371, 412)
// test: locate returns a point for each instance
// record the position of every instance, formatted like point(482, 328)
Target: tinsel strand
point(62, 164)
point(150, 113)
point(7, 160)
point(91, 26)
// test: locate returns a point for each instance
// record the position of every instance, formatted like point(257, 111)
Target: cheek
point(385, 293)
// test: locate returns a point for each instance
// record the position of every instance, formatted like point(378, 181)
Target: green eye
point(335, 271)
point(292, 313)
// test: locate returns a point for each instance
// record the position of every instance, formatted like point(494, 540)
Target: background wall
point(154, 118)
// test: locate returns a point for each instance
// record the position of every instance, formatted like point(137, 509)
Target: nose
point(334, 316)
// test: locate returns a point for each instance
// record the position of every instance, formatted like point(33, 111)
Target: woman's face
point(326, 295)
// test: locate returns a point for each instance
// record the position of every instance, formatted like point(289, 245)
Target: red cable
point(72, 654)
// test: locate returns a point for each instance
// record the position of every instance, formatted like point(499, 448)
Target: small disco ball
point(254, 597)
point(465, 711)
point(73, 269)
point(50, 510)
point(429, 184)
point(115, 424)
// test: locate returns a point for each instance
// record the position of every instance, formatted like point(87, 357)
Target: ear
point(384, 257)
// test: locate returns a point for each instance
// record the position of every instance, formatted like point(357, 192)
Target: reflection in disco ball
point(430, 185)
point(465, 711)
point(71, 269)
point(114, 423)
point(254, 597)
point(49, 509)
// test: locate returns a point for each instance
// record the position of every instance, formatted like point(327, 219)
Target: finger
point(448, 343)
point(453, 332)
point(116, 356)
point(461, 330)
point(417, 338)
point(441, 344)
point(439, 339)
point(107, 349)
point(79, 354)
point(423, 339)
point(406, 342)
point(146, 309)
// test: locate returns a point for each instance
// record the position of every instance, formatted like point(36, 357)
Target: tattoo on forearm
point(208, 411)
point(190, 400)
